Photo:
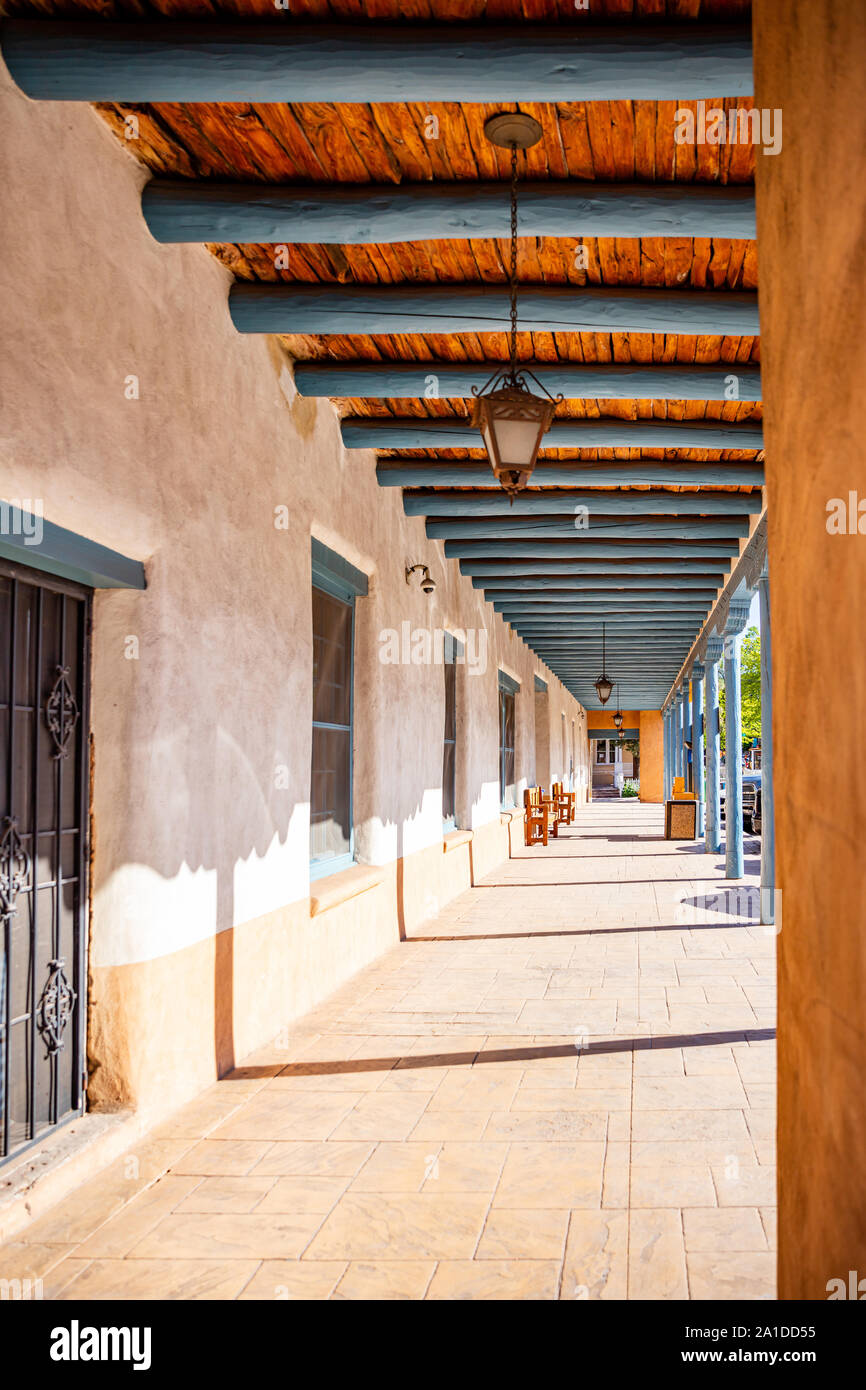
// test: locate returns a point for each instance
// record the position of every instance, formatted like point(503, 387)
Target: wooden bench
point(536, 817)
point(565, 801)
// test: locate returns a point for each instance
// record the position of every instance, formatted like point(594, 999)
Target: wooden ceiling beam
point(412, 432)
point(574, 380)
point(532, 574)
point(575, 599)
point(288, 61)
point(500, 585)
point(473, 308)
point(577, 549)
point(503, 528)
point(375, 214)
point(566, 503)
point(570, 473)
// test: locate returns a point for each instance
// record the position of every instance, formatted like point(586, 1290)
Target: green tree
point(750, 688)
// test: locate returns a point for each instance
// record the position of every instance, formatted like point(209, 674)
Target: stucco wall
point(650, 728)
point(203, 944)
point(809, 60)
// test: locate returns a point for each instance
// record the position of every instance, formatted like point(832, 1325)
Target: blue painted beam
point(369, 214)
point(564, 502)
point(503, 585)
point(362, 432)
point(628, 650)
point(468, 308)
point(293, 62)
point(578, 549)
point(577, 643)
point(544, 601)
point(556, 527)
point(614, 604)
point(667, 659)
point(513, 609)
point(574, 380)
point(28, 539)
point(579, 630)
point(538, 573)
point(570, 473)
point(543, 598)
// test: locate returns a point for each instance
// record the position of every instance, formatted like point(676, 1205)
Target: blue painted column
point(698, 740)
point(671, 753)
point(687, 734)
point(713, 826)
point(738, 615)
point(768, 826)
point(678, 735)
point(672, 747)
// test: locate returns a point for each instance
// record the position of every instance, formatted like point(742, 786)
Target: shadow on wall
point(219, 767)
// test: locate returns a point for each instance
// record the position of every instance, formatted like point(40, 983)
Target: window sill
point(338, 888)
point(455, 838)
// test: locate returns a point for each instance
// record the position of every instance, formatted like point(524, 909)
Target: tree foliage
point(750, 688)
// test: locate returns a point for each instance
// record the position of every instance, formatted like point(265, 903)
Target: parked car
point(751, 800)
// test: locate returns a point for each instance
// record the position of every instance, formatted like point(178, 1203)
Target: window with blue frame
point(336, 585)
point(508, 689)
point(452, 652)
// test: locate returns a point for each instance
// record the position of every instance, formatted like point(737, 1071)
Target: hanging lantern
point(604, 685)
point(510, 417)
point(617, 718)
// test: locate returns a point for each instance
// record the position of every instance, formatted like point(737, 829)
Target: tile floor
point(561, 1087)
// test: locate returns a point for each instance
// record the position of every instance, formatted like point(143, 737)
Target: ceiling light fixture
point(604, 685)
point(511, 418)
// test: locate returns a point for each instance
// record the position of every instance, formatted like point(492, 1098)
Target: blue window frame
point(452, 653)
point(335, 586)
point(508, 689)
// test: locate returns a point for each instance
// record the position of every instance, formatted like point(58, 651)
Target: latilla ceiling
point(381, 309)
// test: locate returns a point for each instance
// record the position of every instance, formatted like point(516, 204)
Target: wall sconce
point(427, 582)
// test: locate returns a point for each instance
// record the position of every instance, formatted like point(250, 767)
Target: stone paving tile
point(596, 1256)
point(561, 1087)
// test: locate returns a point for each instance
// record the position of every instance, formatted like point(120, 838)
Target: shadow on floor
point(529, 1053)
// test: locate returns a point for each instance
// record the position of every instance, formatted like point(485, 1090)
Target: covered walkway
point(562, 1086)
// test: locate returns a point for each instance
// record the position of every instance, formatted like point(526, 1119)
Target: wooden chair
point(566, 800)
point(536, 817)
